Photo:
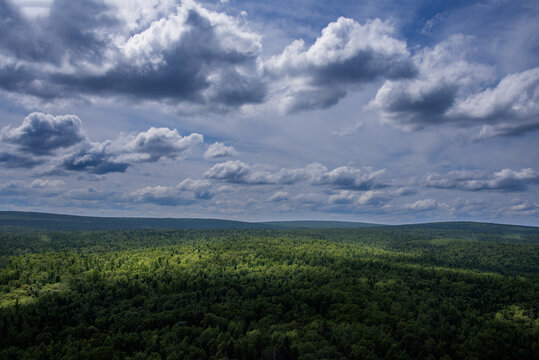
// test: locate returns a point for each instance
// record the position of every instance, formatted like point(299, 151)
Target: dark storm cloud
point(42, 134)
point(503, 180)
point(192, 55)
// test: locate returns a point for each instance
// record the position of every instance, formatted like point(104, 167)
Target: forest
point(416, 292)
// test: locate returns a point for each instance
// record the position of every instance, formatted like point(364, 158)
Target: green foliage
point(389, 293)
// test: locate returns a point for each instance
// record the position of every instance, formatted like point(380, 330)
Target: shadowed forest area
point(416, 292)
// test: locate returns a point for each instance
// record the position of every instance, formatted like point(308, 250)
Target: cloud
point(219, 150)
point(449, 89)
point(154, 144)
point(37, 188)
point(524, 207)
point(150, 51)
point(93, 158)
point(278, 196)
point(42, 134)
point(373, 198)
point(347, 177)
point(512, 106)
point(233, 171)
point(346, 53)
point(202, 189)
point(489, 131)
point(44, 138)
point(348, 130)
point(351, 197)
point(343, 197)
point(503, 180)
point(117, 155)
point(185, 193)
point(19, 161)
point(344, 177)
point(160, 195)
point(422, 205)
point(91, 194)
point(404, 191)
point(444, 76)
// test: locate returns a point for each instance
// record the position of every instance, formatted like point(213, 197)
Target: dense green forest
point(418, 292)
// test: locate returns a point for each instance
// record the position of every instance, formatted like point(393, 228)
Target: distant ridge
point(16, 221)
point(313, 224)
point(466, 225)
point(21, 221)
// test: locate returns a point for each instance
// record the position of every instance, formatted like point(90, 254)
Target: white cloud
point(503, 180)
point(345, 177)
point(42, 134)
point(346, 53)
point(422, 205)
point(444, 78)
point(219, 150)
point(154, 144)
point(278, 196)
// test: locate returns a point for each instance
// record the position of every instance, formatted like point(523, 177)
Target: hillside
point(16, 221)
point(31, 221)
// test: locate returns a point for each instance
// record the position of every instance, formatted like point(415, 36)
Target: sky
point(379, 111)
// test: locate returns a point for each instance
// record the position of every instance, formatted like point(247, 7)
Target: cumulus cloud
point(503, 180)
point(345, 177)
point(450, 89)
point(143, 50)
point(366, 198)
point(444, 77)
point(422, 205)
point(154, 144)
point(43, 138)
point(512, 107)
point(373, 198)
point(117, 155)
point(346, 53)
point(41, 134)
point(202, 189)
point(219, 150)
point(186, 192)
point(93, 158)
point(233, 171)
point(348, 178)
